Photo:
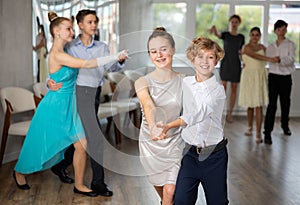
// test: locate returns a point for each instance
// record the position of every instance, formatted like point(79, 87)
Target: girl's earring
point(58, 36)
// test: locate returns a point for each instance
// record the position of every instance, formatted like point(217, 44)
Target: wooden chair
point(40, 90)
point(123, 105)
point(15, 100)
point(124, 88)
point(132, 75)
point(109, 113)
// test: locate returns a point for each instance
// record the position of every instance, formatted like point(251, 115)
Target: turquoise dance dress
point(55, 125)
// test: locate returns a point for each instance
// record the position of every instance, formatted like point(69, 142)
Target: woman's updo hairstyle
point(161, 32)
point(55, 21)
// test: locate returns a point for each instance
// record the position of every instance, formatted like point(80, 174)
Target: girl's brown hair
point(161, 32)
point(236, 17)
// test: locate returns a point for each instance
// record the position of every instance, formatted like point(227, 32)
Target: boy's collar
point(79, 42)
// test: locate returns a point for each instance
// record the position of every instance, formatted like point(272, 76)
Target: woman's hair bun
point(52, 15)
point(159, 29)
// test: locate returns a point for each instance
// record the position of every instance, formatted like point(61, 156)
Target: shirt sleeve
point(288, 57)
point(114, 66)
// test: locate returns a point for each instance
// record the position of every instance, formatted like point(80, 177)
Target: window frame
point(191, 13)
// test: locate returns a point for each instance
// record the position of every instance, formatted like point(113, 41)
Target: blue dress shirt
point(92, 77)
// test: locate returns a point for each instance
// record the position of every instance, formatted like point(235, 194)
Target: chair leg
point(5, 130)
point(3, 143)
point(109, 121)
point(126, 118)
point(118, 134)
point(135, 118)
point(117, 128)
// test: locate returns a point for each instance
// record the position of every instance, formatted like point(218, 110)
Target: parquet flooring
point(258, 174)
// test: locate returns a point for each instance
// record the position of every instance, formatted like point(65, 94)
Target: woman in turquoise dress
point(56, 123)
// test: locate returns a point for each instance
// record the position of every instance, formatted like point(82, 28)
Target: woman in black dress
point(230, 70)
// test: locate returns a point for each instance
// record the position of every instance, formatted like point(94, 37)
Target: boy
point(280, 80)
point(206, 157)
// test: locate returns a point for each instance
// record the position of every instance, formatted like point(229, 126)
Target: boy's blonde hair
point(202, 44)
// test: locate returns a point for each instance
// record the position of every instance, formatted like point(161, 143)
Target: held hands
point(52, 85)
point(159, 131)
point(275, 59)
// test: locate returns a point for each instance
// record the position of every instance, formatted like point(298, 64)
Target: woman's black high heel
point(23, 186)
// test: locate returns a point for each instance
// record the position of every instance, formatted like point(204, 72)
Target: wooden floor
point(257, 174)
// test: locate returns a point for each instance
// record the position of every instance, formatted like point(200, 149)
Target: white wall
point(15, 56)
point(16, 43)
point(135, 27)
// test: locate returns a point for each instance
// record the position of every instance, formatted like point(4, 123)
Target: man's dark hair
point(82, 13)
point(279, 24)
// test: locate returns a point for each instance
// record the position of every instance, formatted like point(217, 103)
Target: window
point(214, 14)
point(108, 25)
point(107, 11)
point(252, 15)
point(172, 16)
point(208, 15)
point(252, 12)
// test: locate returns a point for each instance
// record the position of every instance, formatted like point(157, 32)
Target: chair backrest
point(20, 99)
point(115, 77)
point(132, 75)
point(142, 70)
point(106, 88)
point(124, 87)
point(40, 89)
point(121, 81)
point(106, 91)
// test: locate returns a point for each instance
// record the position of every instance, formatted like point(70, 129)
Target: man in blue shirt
point(88, 89)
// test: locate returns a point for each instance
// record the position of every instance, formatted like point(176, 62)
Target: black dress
point(231, 64)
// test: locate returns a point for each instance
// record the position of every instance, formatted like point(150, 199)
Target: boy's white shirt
point(286, 51)
point(203, 105)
